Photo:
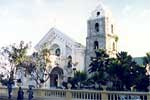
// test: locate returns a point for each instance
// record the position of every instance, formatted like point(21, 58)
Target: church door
point(56, 77)
point(53, 80)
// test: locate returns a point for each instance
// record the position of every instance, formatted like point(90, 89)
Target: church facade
point(100, 34)
point(62, 49)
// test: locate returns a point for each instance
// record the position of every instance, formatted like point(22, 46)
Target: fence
point(66, 94)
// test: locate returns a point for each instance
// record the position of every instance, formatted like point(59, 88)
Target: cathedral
point(100, 34)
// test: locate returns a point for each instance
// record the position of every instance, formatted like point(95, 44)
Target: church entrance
point(53, 80)
point(56, 77)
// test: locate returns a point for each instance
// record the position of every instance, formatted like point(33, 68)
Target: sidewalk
point(15, 98)
point(6, 98)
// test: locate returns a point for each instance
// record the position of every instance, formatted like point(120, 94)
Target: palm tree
point(125, 71)
point(98, 67)
point(79, 79)
point(115, 71)
point(128, 67)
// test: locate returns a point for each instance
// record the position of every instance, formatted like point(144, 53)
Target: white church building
point(58, 42)
point(100, 34)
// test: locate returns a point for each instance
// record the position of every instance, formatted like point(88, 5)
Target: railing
point(86, 95)
point(128, 96)
point(60, 94)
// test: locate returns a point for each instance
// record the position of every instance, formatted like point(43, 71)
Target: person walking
point(30, 95)
point(9, 87)
point(20, 94)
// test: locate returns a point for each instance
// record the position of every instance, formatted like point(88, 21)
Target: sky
point(30, 20)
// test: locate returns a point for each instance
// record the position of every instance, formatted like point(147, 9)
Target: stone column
point(68, 95)
point(104, 95)
point(58, 81)
point(148, 96)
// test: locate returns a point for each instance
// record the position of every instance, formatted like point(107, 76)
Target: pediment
point(52, 35)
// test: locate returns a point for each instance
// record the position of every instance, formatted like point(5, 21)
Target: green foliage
point(40, 64)
point(98, 67)
point(122, 71)
point(78, 79)
point(16, 53)
point(42, 58)
point(116, 38)
point(80, 76)
point(36, 65)
point(4, 82)
point(125, 71)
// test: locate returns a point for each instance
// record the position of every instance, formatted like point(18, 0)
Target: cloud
point(145, 13)
point(134, 28)
point(126, 10)
point(3, 11)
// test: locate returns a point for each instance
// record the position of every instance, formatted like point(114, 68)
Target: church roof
point(54, 33)
point(101, 11)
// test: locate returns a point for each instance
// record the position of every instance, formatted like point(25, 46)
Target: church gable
point(50, 36)
point(61, 47)
point(53, 35)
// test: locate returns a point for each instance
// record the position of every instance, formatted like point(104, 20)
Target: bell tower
point(100, 34)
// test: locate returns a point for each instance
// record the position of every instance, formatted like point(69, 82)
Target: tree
point(14, 56)
point(128, 70)
point(127, 66)
point(98, 67)
point(36, 67)
point(124, 72)
point(39, 66)
point(79, 79)
point(144, 82)
point(115, 70)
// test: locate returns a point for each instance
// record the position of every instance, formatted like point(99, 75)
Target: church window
point(97, 27)
point(98, 13)
point(69, 61)
point(113, 46)
point(57, 52)
point(112, 28)
point(96, 45)
point(70, 57)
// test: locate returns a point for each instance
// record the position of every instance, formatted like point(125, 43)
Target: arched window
point(97, 27)
point(112, 28)
point(57, 52)
point(114, 46)
point(70, 57)
point(69, 61)
point(98, 13)
point(96, 45)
